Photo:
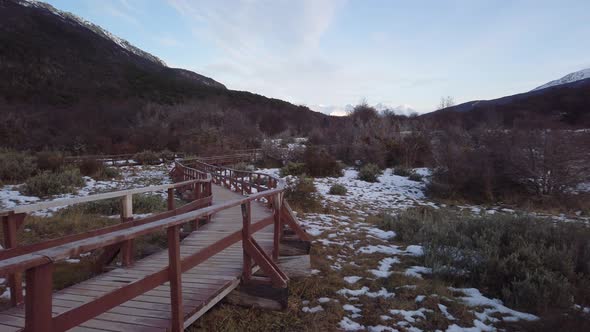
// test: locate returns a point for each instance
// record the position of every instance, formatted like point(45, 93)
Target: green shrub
point(338, 189)
point(97, 170)
point(292, 168)
point(50, 161)
point(48, 183)
point(167, 155)
point(16, 166)
point(415, 177)
point(529, 263)
point(147, 157)
point(319, 163)
point(401, 171)
point(303, 196)
point(110, 173)
point(369, 173)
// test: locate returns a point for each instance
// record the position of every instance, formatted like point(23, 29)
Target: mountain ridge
point(569, 78)
point(68, 86)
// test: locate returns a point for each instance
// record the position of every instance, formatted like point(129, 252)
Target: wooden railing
point(242, 181)
point(37, 261)
point(13, 220)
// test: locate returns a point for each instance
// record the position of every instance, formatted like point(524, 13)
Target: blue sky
point(337, 52)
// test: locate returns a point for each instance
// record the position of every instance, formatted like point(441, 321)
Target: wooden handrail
point(62, 252)
point(96, 197)
point(38, 260)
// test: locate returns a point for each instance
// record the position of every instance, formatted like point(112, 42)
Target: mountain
point(566, 105)
point(68, 83)
point(403, 109)
point(569, 78)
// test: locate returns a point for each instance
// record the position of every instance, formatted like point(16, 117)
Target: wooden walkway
point(202, 287)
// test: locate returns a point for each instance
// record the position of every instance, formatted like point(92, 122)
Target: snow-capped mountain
point(73, 19)
point(333, 110)
point(569, 78)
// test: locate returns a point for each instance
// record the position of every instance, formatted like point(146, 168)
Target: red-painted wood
point(10, 225)
point(38, 302)
point(175, 277)
point(246, 235)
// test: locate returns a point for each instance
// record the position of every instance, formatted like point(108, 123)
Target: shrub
point(369, 173)
point(91, 167)
point(415, 177)
point(529, 263)
point(16, 166)
point(167, 155)
point(292, 168)
point(110, 173)
point(401, 171)
point(302, 195)
point(319, 163)
point(337, 189)
point(50, 161)
point(48, 183)
point(97, 170)
point(147, 157)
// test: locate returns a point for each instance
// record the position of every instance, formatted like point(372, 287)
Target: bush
point(167, 155)
point(147, 157)
point(91, 167)
point(529, 263)
point(50, 161)
point(319, 163)
point(415, 177)
point(292, 168)
point(109, 173)
point(97, 170)
point(16, 166)
point(337, 189)
point(48, 183)
point(369, 173)
point(401, 171)
point(302, 196)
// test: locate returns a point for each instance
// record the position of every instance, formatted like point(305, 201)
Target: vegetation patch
point(16, 166)
point(369, 173)
point(292, 168)
point(147, 157)
point(303, 196)
point(48, 183)
point(529, 263)
point(402, 171)
point(338, 189)
point(97, 170)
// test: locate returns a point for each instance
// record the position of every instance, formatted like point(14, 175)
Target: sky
point(330, 53)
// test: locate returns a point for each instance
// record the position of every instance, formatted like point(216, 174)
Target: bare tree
point(551, 162)
point(445, 102)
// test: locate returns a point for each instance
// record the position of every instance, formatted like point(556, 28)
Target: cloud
point(124, 12)
point(270, 47)
point(168, 41)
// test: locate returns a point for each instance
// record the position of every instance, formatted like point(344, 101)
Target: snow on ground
point(392, 191)
point(131, 177)
point(364, 256)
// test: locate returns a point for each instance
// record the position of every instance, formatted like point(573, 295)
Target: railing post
point(10, 225)
point(170, 199)
point(247, 266)
point(38, 301)
point(277, 201)
point(127, 215)
point(175, 277)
